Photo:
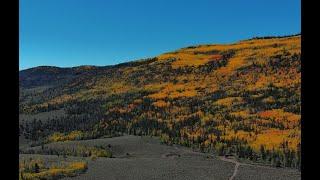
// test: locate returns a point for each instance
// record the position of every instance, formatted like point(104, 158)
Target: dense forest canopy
point(241, 98)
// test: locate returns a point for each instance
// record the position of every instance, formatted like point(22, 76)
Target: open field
point(145, 158)
point(266, 173)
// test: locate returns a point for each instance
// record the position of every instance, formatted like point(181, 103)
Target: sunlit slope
point(211, 96)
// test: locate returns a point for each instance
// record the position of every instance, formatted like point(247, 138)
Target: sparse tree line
point(81, 151)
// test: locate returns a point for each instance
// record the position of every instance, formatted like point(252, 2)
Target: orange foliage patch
point(174, 91)
point(290, 120)
point(229, 101)
point(161, 103)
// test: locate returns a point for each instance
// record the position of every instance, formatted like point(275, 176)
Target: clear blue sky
point(68, 33)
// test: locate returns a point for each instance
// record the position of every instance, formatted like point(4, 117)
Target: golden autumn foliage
point(35, 169)
point(74, 135)
point(229, 101)
point(185, 58)
point(174, 91)
point(218, 95)
point(243, 114)
point(273, 138)
point(161, 103)
point(247, 53)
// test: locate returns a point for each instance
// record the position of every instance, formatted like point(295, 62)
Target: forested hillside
point(241, 99)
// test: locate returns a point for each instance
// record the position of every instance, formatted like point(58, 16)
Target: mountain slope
point(241, 98)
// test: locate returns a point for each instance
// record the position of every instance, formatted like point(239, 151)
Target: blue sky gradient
point(69, 33)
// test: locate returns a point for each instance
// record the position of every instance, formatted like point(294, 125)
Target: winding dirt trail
point(236, 167)
point(235, 171)
point(231, 160)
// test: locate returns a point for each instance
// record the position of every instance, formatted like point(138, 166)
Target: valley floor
point(142, 158)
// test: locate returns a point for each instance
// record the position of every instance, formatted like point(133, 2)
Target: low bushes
point(37, 169)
